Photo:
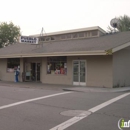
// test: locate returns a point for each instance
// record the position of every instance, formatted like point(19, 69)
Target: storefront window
point(57, 65)
point(12, 64)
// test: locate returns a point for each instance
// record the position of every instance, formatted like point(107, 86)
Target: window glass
point(48, 38)
point(52, 38)
point(57, 65)
point(63, 36)
point(75, 35)
point(88, 34)
point(12, 64)
point(41, 39)
point(68, 36)
point(81, 34)
point(94, 33)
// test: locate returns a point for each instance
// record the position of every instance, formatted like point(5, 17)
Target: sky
point(61, 15)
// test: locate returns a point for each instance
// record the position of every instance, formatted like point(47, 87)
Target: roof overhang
point(82, 53)
point(118, 48)
point(121, 47)
point(76, 53)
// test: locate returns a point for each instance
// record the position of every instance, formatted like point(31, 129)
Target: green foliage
point(9, 33)
point(124, 23)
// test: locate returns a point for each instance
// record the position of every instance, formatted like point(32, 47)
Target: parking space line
point(31, 100)
point(83, 115)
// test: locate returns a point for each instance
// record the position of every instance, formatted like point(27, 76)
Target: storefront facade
point(84, 57)
point(83, 71)
point(64, 70)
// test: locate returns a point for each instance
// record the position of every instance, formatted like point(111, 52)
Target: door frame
point(35, 71)
point(79, 83)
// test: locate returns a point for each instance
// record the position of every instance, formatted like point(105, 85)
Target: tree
point(9, 33)
point(124, 23)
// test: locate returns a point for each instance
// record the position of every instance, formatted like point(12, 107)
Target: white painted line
point(31, 100)
point(83, 115)
point(71, 121)
point(94, 109)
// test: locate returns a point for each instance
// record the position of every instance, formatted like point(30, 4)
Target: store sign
point(28, 39)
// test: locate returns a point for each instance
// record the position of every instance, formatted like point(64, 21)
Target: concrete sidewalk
point(39, 85)
point(97, 89)
point(34, 85)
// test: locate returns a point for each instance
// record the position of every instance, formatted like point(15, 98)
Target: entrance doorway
point(32, 71)
point(35, 71)
point(79, 72)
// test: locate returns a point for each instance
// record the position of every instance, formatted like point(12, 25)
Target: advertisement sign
point(28, 39)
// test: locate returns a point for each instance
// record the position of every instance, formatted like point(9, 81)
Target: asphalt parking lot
point(42, 109)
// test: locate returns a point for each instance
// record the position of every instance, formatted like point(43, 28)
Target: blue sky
point(58, 15)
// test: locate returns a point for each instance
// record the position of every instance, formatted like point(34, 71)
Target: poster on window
point(10, 70)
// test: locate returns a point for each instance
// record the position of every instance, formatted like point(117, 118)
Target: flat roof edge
point(72, 31)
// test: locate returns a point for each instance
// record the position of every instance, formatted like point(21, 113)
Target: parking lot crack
point(112, 115)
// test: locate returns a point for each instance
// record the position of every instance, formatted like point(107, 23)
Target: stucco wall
point(6, 76)
point(98, 71)
point(121, 68)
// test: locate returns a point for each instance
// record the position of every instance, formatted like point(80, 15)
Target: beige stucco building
point(86, 57)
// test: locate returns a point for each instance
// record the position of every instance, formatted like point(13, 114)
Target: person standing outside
point(17, 74)
point(18, 71)
point(15, 79)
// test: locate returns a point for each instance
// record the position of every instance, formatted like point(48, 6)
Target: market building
point(86, 57)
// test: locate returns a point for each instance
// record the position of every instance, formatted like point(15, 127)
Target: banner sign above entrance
point(28, 39)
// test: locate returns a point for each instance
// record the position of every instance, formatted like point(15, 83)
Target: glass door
point(35, 71)
point(27, 73)
point(75, 72)
point(38, 71)
point(32, 71)
point(79, 72)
